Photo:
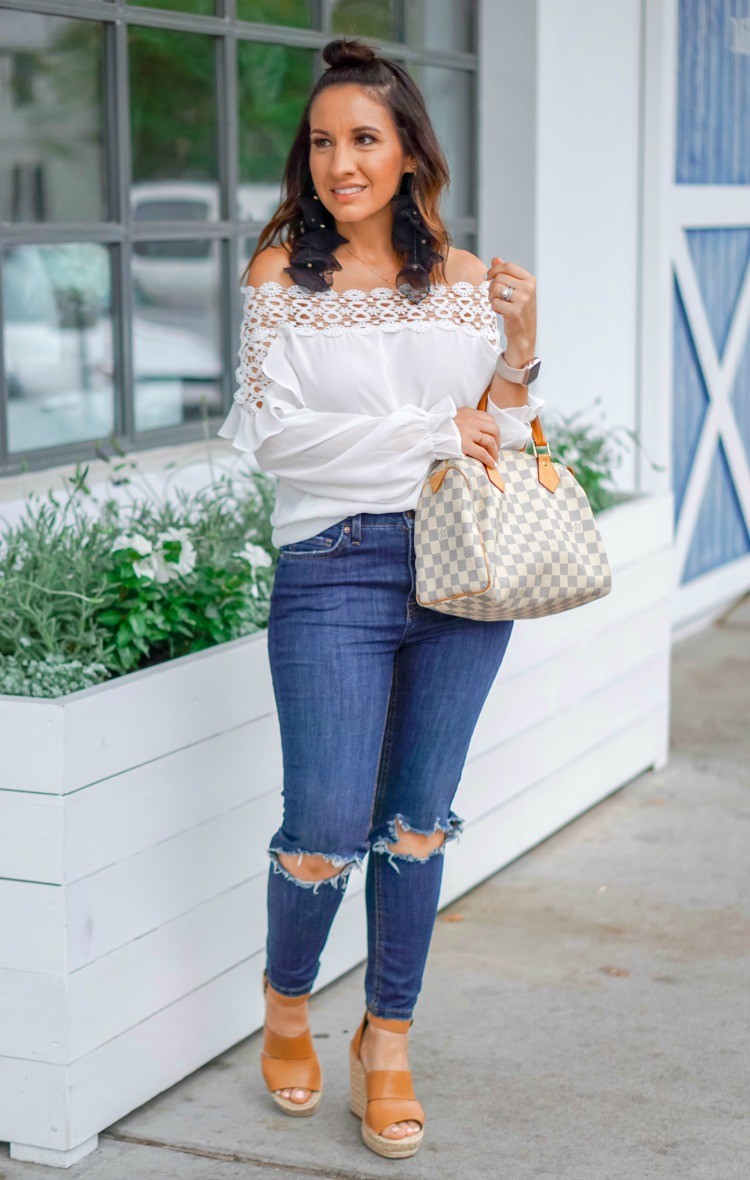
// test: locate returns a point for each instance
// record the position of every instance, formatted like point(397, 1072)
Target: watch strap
point(523, 376)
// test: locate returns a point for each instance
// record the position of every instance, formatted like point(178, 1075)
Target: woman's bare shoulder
point(268, 267)
point(461, 266)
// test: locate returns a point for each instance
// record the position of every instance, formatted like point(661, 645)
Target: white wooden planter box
point(134, 819)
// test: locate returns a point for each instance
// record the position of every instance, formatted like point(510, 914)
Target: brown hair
point(353, 61)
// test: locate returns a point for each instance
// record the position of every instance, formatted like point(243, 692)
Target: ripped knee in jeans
point(415, 844)
point(310, 870)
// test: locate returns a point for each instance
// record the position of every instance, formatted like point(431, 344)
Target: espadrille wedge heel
point(380, 1097)
point(290, 1062)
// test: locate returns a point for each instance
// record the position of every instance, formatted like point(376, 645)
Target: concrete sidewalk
point(584, 1012)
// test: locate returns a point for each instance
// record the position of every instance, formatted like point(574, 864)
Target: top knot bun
point(347, 52)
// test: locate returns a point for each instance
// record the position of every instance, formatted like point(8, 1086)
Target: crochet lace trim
point(272, 308)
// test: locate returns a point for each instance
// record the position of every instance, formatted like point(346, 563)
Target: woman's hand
point(480, 434)
point(518, 312)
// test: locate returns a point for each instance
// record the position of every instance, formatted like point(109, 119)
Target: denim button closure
point(347, 528)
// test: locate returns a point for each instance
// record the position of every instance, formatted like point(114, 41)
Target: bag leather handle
point(547, 475)
point(546, 472)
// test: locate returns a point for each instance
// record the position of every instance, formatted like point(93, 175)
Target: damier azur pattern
point(518, 554)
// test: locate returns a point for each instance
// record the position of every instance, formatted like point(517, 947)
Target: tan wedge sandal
point(380, 1097)
point(290, 1062)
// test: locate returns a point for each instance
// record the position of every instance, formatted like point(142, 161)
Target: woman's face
point(354, 143)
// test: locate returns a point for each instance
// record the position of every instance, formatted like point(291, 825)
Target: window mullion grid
point(227, 114)
point(124, 302)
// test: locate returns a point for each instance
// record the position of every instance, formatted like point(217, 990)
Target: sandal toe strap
point(391, 1099)
point(290, 1061)
point(302, 1073)
point(381, 1112)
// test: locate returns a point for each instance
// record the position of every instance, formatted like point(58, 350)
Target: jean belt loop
point(357, 527)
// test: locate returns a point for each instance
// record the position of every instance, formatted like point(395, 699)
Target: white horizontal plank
point(31, 836)
point(535, 692)
point(31, 740)
point(51, 1018)
point(34, 1103)
point(59, 1106)
point(120, 816)
point(498, 837)
point(114, 819)
point(107, 997)
point(122, 1074)
point(147, 714)
point(638, 528)
point(32, 927)
point(33, 1016)
point(563, 738)
point(111, 995)
point(128, 899)
point(60, 746)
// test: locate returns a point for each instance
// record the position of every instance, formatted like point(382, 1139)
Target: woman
point(366, 344)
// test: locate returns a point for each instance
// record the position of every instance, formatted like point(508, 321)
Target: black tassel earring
point(312, 259)
point(411, 235)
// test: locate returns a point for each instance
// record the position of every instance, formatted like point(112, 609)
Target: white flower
point(165, 571)
point(254, 554)
point(144, 569)
point(135, 541)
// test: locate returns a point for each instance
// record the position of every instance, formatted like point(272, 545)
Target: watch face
point(533, 369)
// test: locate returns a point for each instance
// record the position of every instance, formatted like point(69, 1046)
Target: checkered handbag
point(518, 541)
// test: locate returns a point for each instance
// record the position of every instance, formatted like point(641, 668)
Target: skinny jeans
point(377, 700)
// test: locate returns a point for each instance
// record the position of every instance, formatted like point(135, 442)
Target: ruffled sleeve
point(515, 422)
point(267, 385)
point(444, 433)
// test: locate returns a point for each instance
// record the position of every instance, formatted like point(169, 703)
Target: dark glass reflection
point(172, 105)
point(274, 84)
point(367, 18)
point(52, 161)
point(57, 344)
point(292, 13)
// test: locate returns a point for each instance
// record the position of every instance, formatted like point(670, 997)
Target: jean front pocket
point(331, 540)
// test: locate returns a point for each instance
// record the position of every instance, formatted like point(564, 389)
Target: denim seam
point(383, 763)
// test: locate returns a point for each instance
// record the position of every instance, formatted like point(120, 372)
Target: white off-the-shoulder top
point(347, 397)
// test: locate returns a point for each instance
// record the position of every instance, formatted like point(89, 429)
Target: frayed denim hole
point(338, 880)
point(453, 827)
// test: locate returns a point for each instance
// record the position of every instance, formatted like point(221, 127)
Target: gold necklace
point(372, 268)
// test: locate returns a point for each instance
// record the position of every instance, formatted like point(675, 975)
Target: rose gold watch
point(523, 376)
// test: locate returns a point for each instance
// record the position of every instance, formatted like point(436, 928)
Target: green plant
point(592, 454)
point(92, 589)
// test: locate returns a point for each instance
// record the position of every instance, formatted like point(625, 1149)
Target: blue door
point(711, 287)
